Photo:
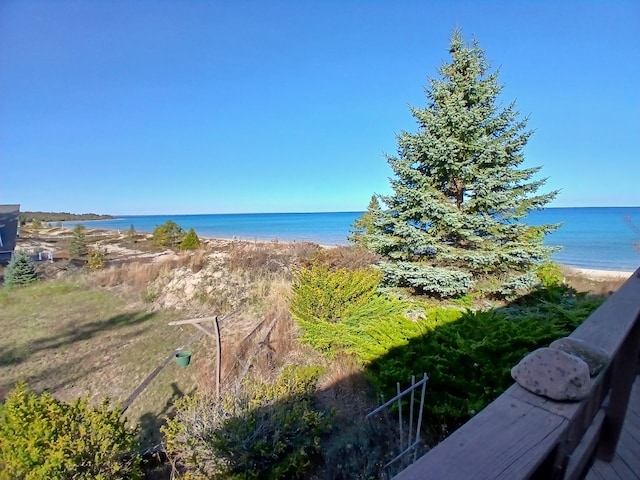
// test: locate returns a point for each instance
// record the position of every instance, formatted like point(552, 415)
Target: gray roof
point(8, 229)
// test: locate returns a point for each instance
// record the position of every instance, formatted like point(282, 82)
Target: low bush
point(169, 234)
point(190, 241)
point(322, 294)
point(261, 431)
point(550, 274)
point(342, 311)
point(97, 259)
point(469, 360)
point(467, 355)
point(43, 438)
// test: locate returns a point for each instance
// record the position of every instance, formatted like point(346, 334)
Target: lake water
point(592, 237)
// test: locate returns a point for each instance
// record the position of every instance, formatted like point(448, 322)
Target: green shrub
point(263, 431)
point(322, 294)
point(97, 259)
point(190, 241)
point(169, 234)
point(550, 274)
point(469, 360)
point(43, 438)
point(468, 356)
point(78, 246)
point(20, 271)
point(342, 311)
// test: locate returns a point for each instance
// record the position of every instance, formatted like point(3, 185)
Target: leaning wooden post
point(215, 334)
point(218, 356)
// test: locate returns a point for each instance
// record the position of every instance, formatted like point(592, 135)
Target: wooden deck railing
point(525, 436)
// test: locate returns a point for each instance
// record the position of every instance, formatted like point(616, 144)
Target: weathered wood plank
point(626, 462)
point(607, 471)
point(192, 321)
point(585, 449)
point(629, 453)
point(510, 452)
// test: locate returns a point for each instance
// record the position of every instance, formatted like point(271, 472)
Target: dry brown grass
point(350, 258)
point(136, 276)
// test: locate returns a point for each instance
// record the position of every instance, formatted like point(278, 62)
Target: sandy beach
point(598, 274)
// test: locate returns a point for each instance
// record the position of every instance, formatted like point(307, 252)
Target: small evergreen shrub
point(20, 271)
point(262, 431)
point(320, 293)
point(78, 248)
point(43, 438)
point(169, 234)
point(97, 259)
point(342, 311)
point(190, 241)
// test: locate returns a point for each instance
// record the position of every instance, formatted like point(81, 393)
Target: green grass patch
point(72, 339)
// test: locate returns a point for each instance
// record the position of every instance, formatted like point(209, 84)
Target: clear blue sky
point(143, 107)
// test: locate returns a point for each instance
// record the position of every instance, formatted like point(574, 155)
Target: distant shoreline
point(592, 273)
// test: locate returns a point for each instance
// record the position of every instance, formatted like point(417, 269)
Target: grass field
point(71, 339)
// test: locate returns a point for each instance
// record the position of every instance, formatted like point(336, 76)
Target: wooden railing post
point(624, 373)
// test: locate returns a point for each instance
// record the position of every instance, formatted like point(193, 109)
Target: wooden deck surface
point(626, 462)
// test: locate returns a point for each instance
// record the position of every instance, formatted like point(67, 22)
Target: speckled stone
point(595, 357)
point(554, 374)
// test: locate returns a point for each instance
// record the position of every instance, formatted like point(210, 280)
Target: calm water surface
point(593, 237)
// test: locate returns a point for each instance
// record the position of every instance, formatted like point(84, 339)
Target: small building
point(9, 218)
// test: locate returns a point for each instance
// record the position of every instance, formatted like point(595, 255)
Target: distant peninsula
point(48, 217)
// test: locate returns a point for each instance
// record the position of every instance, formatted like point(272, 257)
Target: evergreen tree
point(364, 227)
point(20, 271)
point(455, 217)
point(78, 246)
point(190, 241)
point(169, 234)
point(131, 233)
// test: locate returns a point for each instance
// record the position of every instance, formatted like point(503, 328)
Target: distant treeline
point(48, 217)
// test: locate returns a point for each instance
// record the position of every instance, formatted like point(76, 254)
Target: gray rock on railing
point(595, 357)
point(562, 371)
point(554, 374)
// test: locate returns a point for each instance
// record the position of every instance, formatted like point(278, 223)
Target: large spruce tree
point(455, 218)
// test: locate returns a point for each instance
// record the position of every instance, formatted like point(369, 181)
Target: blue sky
point(144, 107)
